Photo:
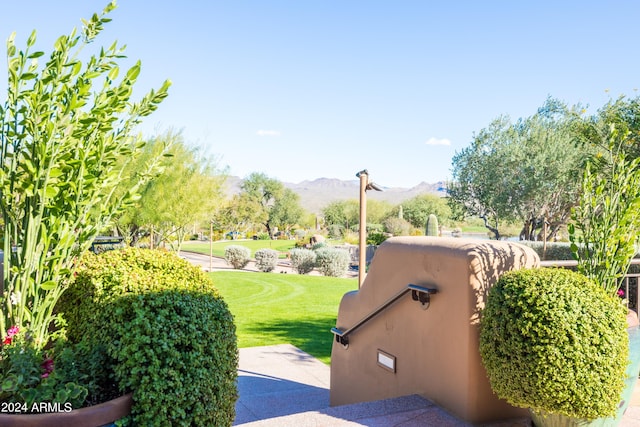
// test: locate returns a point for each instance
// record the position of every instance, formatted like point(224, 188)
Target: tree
point(477, 178)
point(62, 145)
point(528, 171)
point(286, 211)
point(624, 114)
point(343, 213)
point(237, 214)
point(274, 205)
point(187, 192)
point(417, 210)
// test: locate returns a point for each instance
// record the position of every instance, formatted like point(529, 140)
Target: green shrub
point(376, 239)
point(396, 226)
point(552, 340)
point(335, 231)
point(165, 332)
point(237, 256)
point(302, 260)
point(266, 259)
point(332, 262)
point(555, 250)
point(318, 245)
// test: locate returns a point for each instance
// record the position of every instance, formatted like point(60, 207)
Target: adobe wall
point(436, 350)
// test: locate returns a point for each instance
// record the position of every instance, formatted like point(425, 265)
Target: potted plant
point(65, 137)
point(556, 341)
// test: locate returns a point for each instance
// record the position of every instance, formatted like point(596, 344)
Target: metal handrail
point(419, 293)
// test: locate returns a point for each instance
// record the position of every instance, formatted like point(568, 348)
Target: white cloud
point(268, 133)
point(437, 141)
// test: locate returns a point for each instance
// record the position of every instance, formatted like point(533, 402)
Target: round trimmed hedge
point(551, 340)
point(163, 331)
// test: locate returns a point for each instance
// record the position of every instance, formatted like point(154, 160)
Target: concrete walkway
point(282, 386)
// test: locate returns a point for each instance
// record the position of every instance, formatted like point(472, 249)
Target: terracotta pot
point(92, 416)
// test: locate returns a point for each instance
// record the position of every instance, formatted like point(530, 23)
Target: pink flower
point(620, 292)
point(13, 331)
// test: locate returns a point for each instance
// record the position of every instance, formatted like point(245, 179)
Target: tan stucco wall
point(436, 349)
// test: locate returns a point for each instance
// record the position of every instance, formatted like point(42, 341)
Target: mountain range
point(318, 193)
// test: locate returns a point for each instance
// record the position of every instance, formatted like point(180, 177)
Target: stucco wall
point(436, 350)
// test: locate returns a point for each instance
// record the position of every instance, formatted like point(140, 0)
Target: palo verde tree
point(187, 192)
point(65, 127)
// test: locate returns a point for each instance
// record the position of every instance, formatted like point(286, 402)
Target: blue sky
point(308, 89)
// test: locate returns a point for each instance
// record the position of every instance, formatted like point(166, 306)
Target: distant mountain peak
point(317, 193)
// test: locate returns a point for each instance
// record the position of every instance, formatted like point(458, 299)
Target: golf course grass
point(272, 308)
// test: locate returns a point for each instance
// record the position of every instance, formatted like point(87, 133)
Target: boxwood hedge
point(166, 335)
point(551, 340)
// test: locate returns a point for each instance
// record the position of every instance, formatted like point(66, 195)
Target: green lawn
point(254, 245)
point(272, 308)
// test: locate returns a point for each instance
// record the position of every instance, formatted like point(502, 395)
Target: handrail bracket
point(422, 294)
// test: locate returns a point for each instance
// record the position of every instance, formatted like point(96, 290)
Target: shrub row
point(330, 261)
point(154, 325)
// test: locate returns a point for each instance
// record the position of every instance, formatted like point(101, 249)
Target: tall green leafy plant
point(65, 129)
point(606, 224)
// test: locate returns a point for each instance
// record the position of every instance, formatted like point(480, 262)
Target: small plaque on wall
point(386, 361)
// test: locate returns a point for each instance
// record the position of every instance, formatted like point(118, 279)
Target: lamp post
point(365, 185)
point(211, 246)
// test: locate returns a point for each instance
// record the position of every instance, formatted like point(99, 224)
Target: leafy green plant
point(65, 133)
point(166, 333)
point(237, 256)
point(376, 239)
point(606, 224)
point(553, 340)
point(332, 261)
point(303, 260)
point(30, 376)
point(266, 259)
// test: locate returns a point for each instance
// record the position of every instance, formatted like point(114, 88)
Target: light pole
point(210, 245)
point(365, 185)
